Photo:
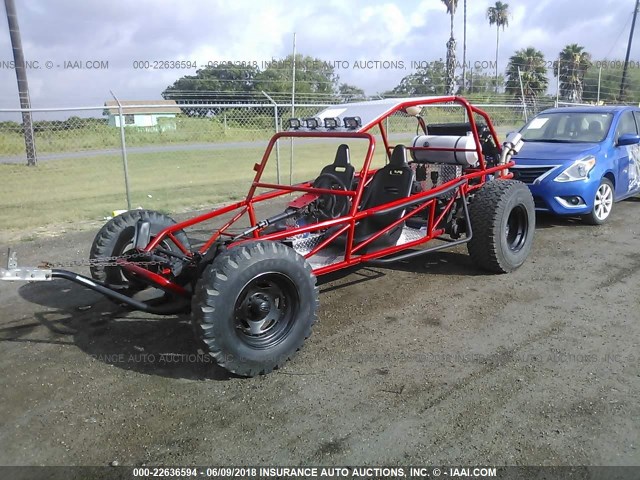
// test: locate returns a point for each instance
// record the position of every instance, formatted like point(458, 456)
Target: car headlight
point(579, 170)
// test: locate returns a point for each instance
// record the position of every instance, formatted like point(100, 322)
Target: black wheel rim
point(517, 228)
point(266, 309)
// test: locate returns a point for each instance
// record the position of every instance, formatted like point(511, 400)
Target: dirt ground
point(430, 362)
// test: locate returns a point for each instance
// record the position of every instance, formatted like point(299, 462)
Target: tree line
point(227, 83)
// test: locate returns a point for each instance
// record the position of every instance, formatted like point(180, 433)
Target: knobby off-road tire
point(115, 238)
point(503, 222)
point(254, 307)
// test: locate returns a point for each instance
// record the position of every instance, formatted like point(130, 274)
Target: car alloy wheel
point(603, 202)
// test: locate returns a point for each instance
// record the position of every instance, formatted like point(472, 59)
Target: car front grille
point(529, 175)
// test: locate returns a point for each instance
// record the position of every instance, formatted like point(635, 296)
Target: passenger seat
point(392, 182)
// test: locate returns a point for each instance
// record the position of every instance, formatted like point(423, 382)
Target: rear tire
point(503, 221)
point(602, 204)
point(115, 239)
point(254, 307)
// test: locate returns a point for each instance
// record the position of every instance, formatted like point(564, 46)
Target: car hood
point(555, 152)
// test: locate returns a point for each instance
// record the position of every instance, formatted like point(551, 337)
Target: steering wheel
point(331, 206)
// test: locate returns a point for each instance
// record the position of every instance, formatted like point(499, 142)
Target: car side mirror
point(628, 139)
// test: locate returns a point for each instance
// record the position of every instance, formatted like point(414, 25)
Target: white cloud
point(120, 32)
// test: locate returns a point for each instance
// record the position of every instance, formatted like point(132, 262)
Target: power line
point(618, 39)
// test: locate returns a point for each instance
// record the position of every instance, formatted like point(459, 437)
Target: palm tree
point(498, 15)
point(574, 63)
point(527, 66)
point(451, 5)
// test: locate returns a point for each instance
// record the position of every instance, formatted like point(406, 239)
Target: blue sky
point(121, 32)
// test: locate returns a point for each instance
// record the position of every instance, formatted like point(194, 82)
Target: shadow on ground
point(149, 344)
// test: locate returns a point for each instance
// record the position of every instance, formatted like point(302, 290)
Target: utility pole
point(23, 86)
point(626, 60)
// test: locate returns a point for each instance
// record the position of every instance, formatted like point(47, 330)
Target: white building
point(154, 115)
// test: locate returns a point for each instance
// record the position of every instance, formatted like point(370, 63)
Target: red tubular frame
point(472, 179)
point(152, 277)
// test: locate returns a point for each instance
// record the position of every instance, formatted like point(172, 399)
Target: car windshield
point(568, 127)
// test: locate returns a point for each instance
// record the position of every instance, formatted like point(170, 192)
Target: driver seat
point(341, 167)
point(392, 182)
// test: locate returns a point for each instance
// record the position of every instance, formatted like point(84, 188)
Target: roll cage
point(426, 201)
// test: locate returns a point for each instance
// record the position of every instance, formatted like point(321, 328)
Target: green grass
point(73, 190)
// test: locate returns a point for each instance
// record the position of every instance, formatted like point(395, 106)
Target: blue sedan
point(578, 161)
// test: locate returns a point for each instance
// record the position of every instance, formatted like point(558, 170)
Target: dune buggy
point(251, 285)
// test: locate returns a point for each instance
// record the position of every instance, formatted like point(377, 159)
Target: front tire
point(254, 307)
point(602, 204)
point(503, 221)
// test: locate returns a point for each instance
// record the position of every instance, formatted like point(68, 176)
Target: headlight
point(579, 170)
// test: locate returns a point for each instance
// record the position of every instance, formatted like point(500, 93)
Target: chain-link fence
point(92, 161)
point(167, 157)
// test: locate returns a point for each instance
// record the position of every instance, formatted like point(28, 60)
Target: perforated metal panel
point(446, 173)
point(306, 242)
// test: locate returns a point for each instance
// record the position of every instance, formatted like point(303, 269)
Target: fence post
point(599, 82)
point(277, 124)
point(293, 105)
point(125, 163)
point(558, 86)
point(524, 103)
